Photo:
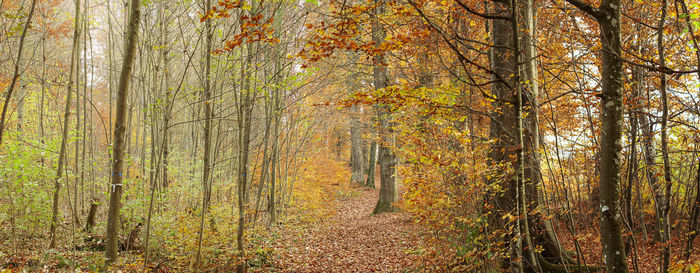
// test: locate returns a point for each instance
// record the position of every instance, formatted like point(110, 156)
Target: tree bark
point(608, 17)
point(206, 101)
point(112, 236)
point(665, 225)
point(245, 115)
point(387, 159)
point(504, 129)
point(371, 165)
point(611, 138)
point(358, 165)
point(66, 117)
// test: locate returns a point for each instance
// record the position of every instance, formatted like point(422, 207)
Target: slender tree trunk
point(168, 100)
point(244, 137)
point(207, 101)
point(526, 246)
point(43, 88)
point(112, 236)
point(371, 165)
point(646, 124)
point(634, 128)
point(693, 221)
point(275, 154)
point(541, 231)
point(357, 158)
point(265, 160)
point(76, 158)
point(358, 165)
point(666, 201)
point(66, 117)
point(245, 114)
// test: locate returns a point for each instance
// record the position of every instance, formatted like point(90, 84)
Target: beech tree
point(118, 149)
point(387, 159)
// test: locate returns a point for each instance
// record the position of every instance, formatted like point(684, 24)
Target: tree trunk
point(245, 114)
point(646, 123)
point(371, 165)
point(611, 140)
point(206, 101)
point(112, 236)
point(387, 159)
point(90, 221)
point(357, 156)
point(665, 225)
point(504, 130)
point(66, 117)
point(357, 162)
point(275, 154)
point(524, 95)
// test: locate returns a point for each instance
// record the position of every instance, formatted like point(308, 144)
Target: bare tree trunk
point(168, 100)
point(206, 101)
point(357, 158)
point(112, 236)
point(387, 159)
point(66, 116)
point(371, 165)
point(540, 230)
point(43, 89)
point(276, 113)
point(358, 164)
point(611, 132)
point(76, 158)
point(504, 129)
point(608, 17)
point(665, 227)
point(526, 246)
point(245, 114)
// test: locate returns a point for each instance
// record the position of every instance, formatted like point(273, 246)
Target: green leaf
point(315, 2)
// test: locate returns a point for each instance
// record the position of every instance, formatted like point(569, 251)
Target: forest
point(350, 136)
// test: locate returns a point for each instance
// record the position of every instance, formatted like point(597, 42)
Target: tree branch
point(591, 10)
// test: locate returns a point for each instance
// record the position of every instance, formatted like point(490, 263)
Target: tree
point(112, 235)
point(608, 17)
point(371, 165)
point(66, 117)
point(207, 102)
point(665, 225)
point(387, 158)
point(506, 129)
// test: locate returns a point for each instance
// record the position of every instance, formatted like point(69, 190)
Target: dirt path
point(353, 241)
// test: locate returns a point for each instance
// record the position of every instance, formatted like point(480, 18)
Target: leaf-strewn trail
point(352, 240)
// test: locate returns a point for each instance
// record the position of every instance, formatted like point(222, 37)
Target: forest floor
point(647, 251)
point(352, 240)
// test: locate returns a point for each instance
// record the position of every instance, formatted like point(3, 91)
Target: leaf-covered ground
point(648, 251)
point(352, 240)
